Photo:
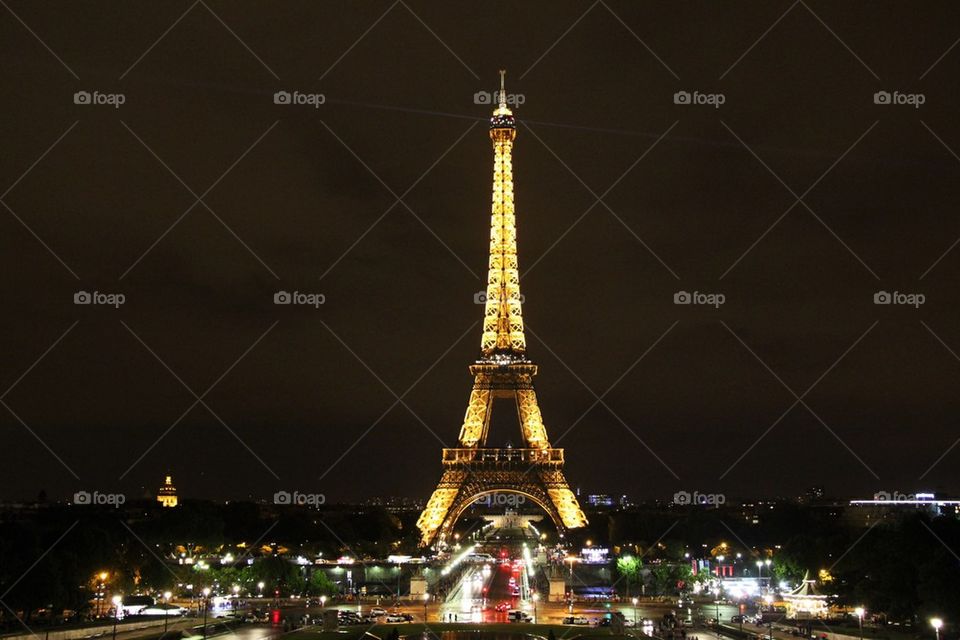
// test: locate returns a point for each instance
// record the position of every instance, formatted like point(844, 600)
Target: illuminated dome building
point(167, 495)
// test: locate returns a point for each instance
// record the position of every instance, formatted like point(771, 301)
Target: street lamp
point(426, 597)
point(166, 609)
point(859, 612)
point(634, 612)
point(936, 623)
point(717, 602)
point(116, 600)
point(323, 601)
point(101, 591)
point(536, 597)
point(260, 586)
point(760, 573)
point(206, 602)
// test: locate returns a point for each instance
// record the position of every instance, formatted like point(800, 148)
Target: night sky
point(797, 199)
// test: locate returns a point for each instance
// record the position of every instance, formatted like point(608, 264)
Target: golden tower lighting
point(502, 371)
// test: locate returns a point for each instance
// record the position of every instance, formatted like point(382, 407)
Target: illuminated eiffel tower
point(473, 471)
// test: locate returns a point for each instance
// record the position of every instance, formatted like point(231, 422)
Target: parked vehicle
point(516, 615)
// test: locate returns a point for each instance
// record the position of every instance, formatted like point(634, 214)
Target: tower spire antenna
point(503, 93)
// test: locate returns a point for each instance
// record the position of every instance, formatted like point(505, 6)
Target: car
point(396, 617)
point(575, 620)
point(378, 611)
point(516, 615)
point(503, 606)
point(737, 619)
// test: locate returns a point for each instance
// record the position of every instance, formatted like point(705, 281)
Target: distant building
point(600, 500)
point(167, 495)
point(890, 506)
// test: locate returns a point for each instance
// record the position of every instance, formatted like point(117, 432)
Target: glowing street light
point(936, 623)
point(635, 612)
point(260, 586)
point(323, 601)
point(206, 603)
point(426, 598)
point(116, 600)
point(166, 609)
point(859, 611)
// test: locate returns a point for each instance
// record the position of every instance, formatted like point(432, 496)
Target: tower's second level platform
point(483, 457)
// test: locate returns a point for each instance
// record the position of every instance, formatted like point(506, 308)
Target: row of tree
point(55, 559)
point(904, 569)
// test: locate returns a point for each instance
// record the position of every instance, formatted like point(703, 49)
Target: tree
point(320, 584)
point(629, 569)
point(278, 574)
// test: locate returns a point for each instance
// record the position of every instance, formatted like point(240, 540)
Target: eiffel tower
point(503, 370)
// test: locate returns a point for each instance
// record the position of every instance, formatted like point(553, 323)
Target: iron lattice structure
point(502, 371)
